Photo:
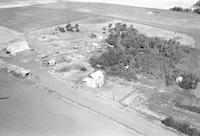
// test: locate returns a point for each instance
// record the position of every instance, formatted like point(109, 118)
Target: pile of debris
point(95, 80)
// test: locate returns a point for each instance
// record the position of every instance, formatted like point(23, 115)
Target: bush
point(188, 107)
point(190, 81)
point(181, 127)
point(64, 69)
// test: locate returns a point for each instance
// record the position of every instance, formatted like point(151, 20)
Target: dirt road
point(27, 110)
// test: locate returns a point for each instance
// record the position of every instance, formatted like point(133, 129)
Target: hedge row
point(181, 127)
point(187, 107)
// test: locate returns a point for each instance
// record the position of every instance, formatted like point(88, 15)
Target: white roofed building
point(17, 46)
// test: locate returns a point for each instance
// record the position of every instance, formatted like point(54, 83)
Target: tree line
point(197, 10)
point(68, 28)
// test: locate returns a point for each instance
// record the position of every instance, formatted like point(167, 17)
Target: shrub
point(83, 69)
point(190, 81)
point(188, 107)
point(181, 127)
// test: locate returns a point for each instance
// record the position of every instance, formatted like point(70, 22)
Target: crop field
point(24, 19)
point(187, 23)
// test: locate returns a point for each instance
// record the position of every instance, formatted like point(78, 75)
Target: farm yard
point(67, 46)
point(71, 53)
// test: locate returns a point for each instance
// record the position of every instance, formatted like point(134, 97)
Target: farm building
point(17, 46)
point(51, 62)
point(18, 71)
point(24, 72)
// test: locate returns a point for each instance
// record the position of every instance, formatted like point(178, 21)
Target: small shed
point(18, 71)
point(51, 62)
point(25, 73)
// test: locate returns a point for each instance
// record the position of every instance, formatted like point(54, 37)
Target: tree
point(110, 25)
point(77, 25)
point(190, 81)
point(68, 27)
point(197, 10)
point(77, 28)
point(197, 4)
point(152, 56)
point(61, 29)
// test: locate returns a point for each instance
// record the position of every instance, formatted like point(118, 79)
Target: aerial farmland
point(99, 68)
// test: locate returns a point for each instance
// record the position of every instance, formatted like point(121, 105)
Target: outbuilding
point(51, 62)
point(18, 71)
point(25, 73)
point(17, 46)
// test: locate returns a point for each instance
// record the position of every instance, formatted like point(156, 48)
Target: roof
point(24, 71)
point(52, 61)
point(17, 46)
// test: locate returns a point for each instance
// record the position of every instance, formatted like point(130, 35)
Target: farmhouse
point(96, 79)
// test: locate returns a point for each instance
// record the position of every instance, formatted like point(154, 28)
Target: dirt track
point(29, 110)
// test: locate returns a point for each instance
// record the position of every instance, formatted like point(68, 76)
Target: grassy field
point(35, 17)
point(187, 23)
point(7, 34)
point(24, 19)
point(146, 3)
